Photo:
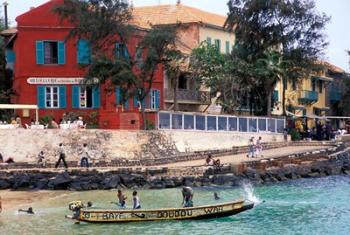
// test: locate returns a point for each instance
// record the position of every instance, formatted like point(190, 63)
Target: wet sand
point(13, 199)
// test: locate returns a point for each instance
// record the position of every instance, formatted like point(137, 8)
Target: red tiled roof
point(172, 14)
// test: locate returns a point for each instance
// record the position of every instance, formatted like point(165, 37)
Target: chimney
point(6, 18)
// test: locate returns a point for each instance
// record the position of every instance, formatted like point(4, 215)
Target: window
point(182, 82)
point(222, 123)
point(51, 97)
point(177, 121)
point(200, 122)
point(121, 51)
point(294, 85)
point(320, 86)
point(84, 97)
point(50, 52)
point(243, 125)
point(227, 47)
point(218, 44)
point(86, 100)
point(232, 122)
point(155, 99)
point(211, 123)
point(188, 122)
point(313, 84)
point(164, 120)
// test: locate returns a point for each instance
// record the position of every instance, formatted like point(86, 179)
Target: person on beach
point(121, 199)
point(216, 196)
point(251, 148)
point(217, 164)
point(187, 197)
point(136, 201)
point(259, 147)
point(41, 159)
point(29, 211)
point(62, 156)
point(84, 161)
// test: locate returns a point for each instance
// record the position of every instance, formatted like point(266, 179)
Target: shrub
point(295, 135)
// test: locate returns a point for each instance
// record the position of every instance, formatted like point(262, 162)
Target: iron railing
point(184, 95)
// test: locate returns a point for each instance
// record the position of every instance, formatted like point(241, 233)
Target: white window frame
point(85, 98)
point(153, 100)
point(51, 88)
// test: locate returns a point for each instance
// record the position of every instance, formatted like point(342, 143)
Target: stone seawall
point(106, 145)
point(335, 160)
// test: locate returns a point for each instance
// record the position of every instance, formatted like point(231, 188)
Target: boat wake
point(249, 194)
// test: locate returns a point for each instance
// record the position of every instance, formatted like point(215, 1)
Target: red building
point(48, 72)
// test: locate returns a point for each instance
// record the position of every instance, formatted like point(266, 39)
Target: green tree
point(293, 28)
point(102, 23)
point(226, 76)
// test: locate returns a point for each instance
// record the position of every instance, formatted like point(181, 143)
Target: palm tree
point(270, 70)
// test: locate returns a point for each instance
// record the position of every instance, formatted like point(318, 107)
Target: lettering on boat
point(111, 216)
point(214, 209)
point(174, 214)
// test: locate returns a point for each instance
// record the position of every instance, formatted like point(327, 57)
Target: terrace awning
point(22, 106)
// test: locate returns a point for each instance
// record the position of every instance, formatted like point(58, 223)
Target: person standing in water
point(136, 201)
point(121, 199)
point(187, 197)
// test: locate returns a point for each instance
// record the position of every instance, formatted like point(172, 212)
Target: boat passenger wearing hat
point(187, 197)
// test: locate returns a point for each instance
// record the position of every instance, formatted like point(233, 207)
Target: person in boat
point(187, 197)
point(76, 206)
point(216, 196)
point(136, 201)
point(29, 211)
point(121, 199)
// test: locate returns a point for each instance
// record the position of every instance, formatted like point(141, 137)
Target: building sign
point(56, 81)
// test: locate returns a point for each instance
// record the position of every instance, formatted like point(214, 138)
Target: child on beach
point(251, 148)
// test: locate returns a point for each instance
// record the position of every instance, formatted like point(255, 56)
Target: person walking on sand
point(62, 156)
point(84, 161)
point(251, 148)
point(259, 147)
point(41, 159)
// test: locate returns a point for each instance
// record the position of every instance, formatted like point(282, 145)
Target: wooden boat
point(192, 213)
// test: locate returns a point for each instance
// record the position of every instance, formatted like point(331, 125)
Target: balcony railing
point(308, 97)
point(188, 96)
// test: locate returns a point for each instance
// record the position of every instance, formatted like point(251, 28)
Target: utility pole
point(5, 11)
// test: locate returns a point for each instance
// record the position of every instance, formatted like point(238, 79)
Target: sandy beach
point(11, 199)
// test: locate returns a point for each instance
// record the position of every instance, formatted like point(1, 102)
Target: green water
point(311, 206)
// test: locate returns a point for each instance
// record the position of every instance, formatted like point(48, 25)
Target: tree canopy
point(292, 28)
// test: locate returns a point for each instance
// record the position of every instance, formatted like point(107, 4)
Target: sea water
point(307, 206)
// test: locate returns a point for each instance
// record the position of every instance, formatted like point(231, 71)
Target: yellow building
point(198, 26)
point(307, 98)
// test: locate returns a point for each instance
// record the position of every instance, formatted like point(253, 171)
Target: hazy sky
point(338, 29)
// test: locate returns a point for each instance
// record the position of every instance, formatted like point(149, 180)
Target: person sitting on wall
point(53, 124)
point(10, 160)
point(13, 121)
point(80, 122)
point(209, 160)
point(217, 164)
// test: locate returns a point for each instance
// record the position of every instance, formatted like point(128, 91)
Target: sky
point(337, 31)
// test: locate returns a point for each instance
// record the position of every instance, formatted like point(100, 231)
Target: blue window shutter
point(39, 52)
point(62, 95)
point(209, 40)
point(126, 52)
point(143, 103)
point(75, 97)
point(227, 47)
point(136, 102)
point(83, 52)
point(118, 96)
point(117, 50)
point(126, 104)
point(157, 99)
point(61, 53)
point(149, 99)
point(10, 56)
point(40, 92)
point(96, 96)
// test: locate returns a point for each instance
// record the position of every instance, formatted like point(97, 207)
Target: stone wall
point(24, 145)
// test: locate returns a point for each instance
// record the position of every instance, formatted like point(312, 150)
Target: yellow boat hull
point(201, 212)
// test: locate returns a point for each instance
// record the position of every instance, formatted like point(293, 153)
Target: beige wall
point(223, 36)
point(24, 145)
